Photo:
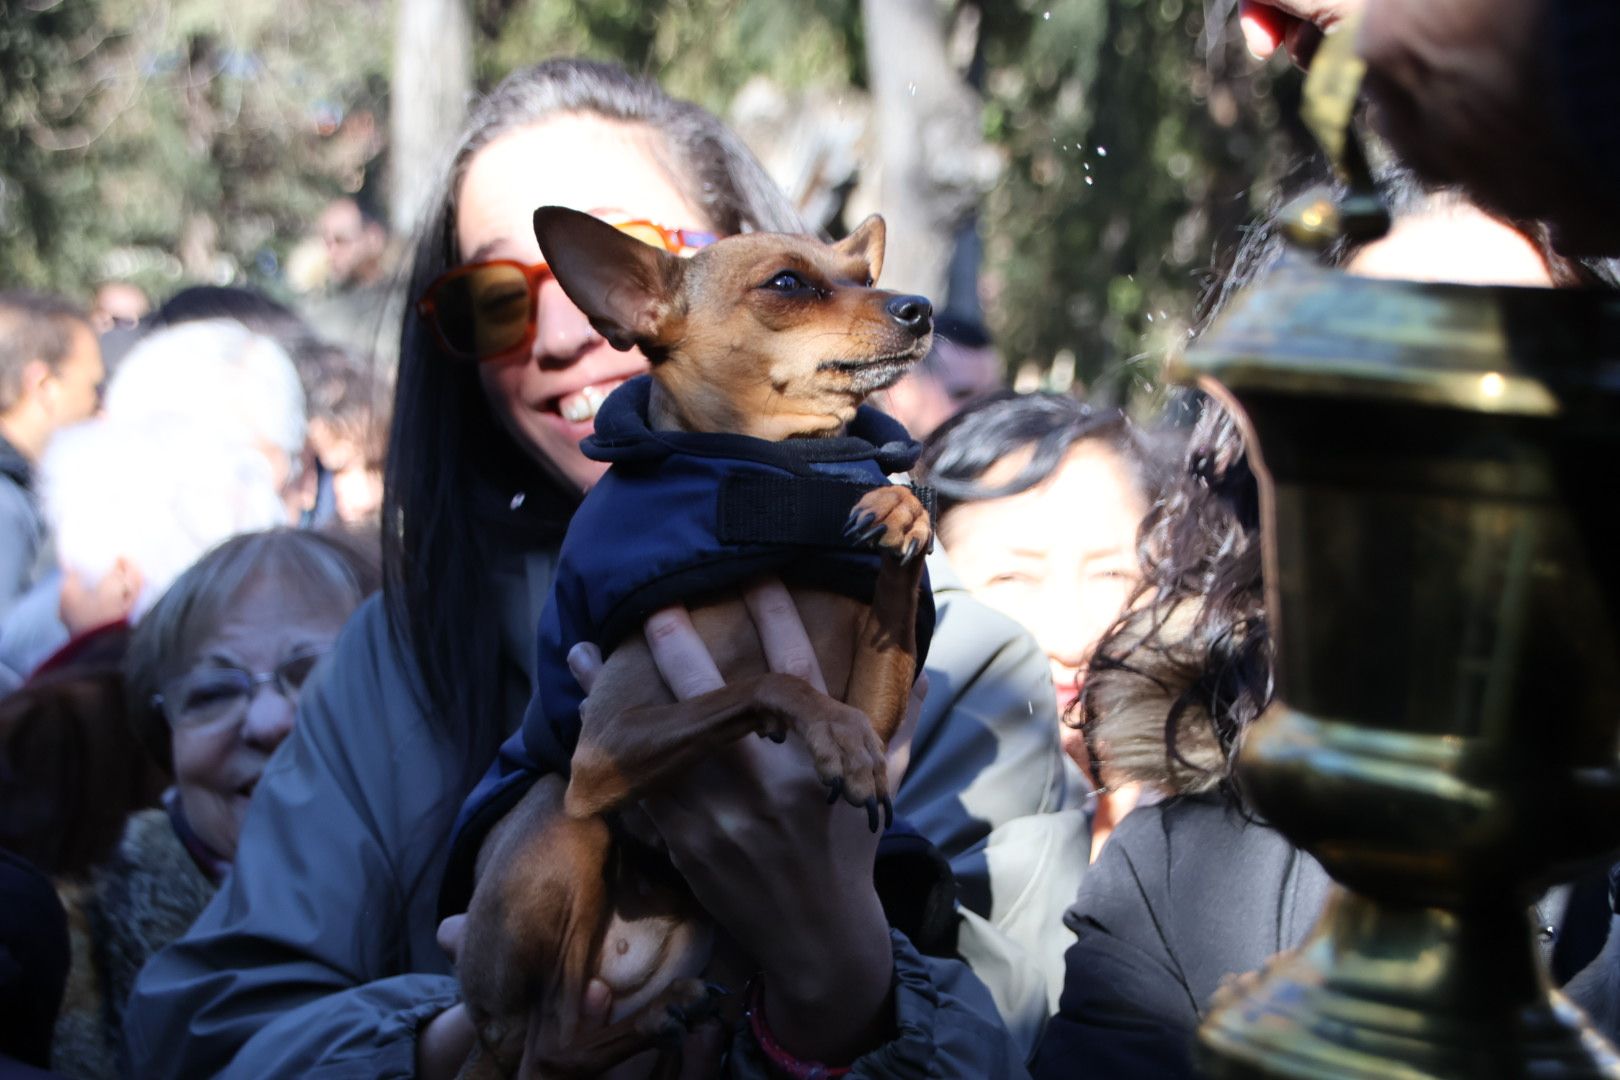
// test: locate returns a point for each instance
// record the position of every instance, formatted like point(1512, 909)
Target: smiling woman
point(1040, 499)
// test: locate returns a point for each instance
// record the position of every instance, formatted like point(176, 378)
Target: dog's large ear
point(625, 287)
point(866, 242)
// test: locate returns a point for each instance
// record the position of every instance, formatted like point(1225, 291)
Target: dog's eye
point(786, 281)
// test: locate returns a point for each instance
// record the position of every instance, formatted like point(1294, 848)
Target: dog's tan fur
point(731, 354)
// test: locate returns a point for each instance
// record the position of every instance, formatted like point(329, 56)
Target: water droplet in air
point(1102, 151)
point(911, 88)
point(1088, 181)
point(1047, 16)
point(1150, 316)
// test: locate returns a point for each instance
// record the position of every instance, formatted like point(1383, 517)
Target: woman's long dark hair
point(448, 457)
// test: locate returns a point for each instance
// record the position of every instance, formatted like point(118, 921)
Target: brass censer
point(1443, 585)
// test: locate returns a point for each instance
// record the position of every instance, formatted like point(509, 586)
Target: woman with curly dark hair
point(1195, 888)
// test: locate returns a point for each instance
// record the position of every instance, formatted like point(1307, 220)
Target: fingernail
point(1257, 37)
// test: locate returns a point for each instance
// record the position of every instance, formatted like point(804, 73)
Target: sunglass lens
point(484, 312)
point(647, 234)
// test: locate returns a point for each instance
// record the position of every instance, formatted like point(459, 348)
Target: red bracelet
point(782, 1061)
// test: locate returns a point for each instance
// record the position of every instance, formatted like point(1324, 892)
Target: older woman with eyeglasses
point(213, 675)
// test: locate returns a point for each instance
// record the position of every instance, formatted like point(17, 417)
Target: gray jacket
point(23, 550)
point(318, 957)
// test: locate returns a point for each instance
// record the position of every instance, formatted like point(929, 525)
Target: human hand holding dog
point(752, 833)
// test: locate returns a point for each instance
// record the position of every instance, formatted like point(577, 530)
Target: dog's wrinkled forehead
point(771, 252)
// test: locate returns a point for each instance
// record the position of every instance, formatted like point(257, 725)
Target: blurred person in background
point(212, 678)
point(355, 244)
point(219, 371)
point(1514, 102)
point(1040, 498)
point(215, 374)
point(963, 365)
point(34, 955)
point(118, 304)
point(50, 377)
point(348, 437)
point(362, 301)
point(134, 502)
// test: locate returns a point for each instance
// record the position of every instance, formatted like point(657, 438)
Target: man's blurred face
point(965, 372)
point(118, 303)
point(350, 243)
point(75, 386)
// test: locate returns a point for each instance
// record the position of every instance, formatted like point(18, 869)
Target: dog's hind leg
point(535, 922)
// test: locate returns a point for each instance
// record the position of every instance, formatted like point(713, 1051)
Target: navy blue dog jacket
point(680, 515)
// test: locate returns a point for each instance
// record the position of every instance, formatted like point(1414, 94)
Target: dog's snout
point(914, 313)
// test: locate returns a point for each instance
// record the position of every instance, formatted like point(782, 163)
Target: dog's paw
point(894, 520)
point(850, 760)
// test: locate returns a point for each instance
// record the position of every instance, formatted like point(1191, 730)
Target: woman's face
point(270, 621)
point(1060, 558)
point(587, 163)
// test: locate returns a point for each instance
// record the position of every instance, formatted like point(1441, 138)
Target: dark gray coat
point(318, 957)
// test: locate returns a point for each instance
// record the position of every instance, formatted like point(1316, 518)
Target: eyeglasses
point(482, 310)
point(212, 695)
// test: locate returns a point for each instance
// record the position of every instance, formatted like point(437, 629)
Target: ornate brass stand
point(1444, 586)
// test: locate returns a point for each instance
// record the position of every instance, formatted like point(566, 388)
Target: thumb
point(585, 661)
point(452, 932)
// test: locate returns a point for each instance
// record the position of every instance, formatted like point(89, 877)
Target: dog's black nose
point(914, 313)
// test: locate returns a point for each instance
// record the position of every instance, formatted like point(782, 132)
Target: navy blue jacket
point(681, 515)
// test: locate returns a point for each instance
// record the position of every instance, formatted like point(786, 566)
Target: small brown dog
point(764, 335)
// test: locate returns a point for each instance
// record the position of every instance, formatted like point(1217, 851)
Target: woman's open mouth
point(581, 406)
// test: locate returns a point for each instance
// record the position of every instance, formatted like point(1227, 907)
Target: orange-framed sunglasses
point(487, 309)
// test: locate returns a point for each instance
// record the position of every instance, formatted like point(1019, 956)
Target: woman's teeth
point(577, 408)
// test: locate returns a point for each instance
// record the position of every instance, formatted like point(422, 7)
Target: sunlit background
point(1075, 170)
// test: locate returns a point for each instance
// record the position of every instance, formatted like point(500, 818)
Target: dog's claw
point(911, 550)
point(859, 520)
point(836, 784)
point(872, 814)
point(870, 534)
point(717, 990)
point(888, 812)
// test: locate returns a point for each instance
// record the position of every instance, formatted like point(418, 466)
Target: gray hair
point(336, 565)
point(156, 490)
point(218, 371)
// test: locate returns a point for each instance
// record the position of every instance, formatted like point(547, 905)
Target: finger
point(1263, 27)
point(595, 1007)
point(680, 655)
point(585, 661)
point(450, 935)
point(781, 632)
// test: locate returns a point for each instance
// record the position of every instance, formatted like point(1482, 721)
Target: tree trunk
point(431, 86)
point(932, 156)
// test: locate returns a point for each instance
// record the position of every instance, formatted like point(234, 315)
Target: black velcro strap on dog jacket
point(794, 509)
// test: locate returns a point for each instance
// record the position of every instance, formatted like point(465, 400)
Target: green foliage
point(175, 140)
point(1130, 153)
point(700, 49)
point(171, 140)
